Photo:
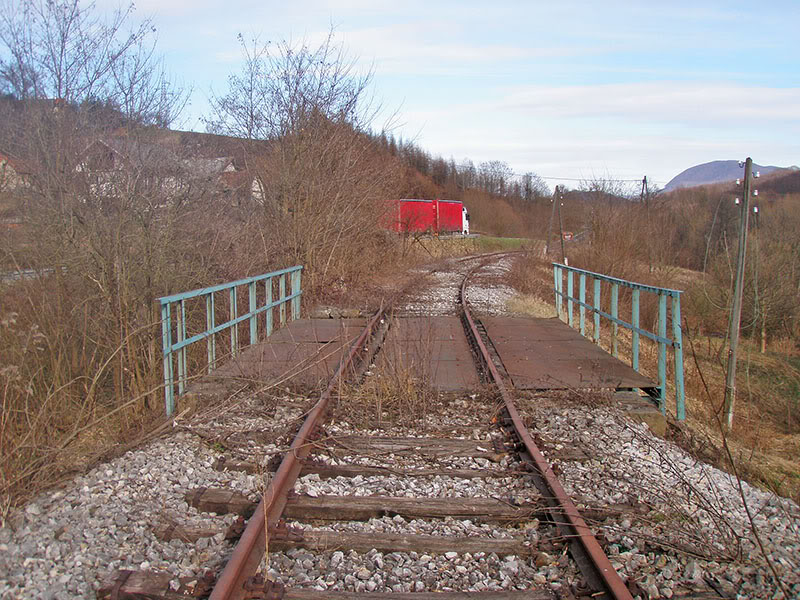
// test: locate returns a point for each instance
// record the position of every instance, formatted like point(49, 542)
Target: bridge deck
point(546, 354)
point(538, 354)
point(304, 352)
point(434, 350)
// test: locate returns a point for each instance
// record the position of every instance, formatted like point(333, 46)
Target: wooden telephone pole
point(736, 309)
point(552, 218)
point(644, 197)
point(561, 231)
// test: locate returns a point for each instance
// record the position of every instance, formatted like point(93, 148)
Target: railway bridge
point(532, 354)
point(451, 353)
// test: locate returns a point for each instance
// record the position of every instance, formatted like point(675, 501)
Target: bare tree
point(282, 87)
point(494, 177)
point(533, 187)
point(111, 221)
point(63, 50)
point(325, 179)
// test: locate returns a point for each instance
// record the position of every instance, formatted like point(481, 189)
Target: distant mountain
point(712, 172)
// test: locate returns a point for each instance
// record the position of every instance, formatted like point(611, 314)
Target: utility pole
point(736, 309)
point(552, 217)
point(645, 198)
point(561, 231)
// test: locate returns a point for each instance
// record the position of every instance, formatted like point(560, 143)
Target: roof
point(209, 167)
point(18, 165)
point(156, 156)
point(236, 179)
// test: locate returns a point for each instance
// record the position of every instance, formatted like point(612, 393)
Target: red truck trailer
point(434, 216)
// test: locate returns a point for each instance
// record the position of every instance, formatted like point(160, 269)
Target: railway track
point(600, 578)
point(520, 517)
point(401, 491)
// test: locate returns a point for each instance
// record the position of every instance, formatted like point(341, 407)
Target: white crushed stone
point(487, 295)
point(418, 487)
point(63, 542)
point(696, 530)
point(407, 572)
point(438, 294)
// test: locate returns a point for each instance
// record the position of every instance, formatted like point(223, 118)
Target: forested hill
point(716, 171)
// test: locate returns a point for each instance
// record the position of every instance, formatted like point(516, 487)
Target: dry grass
point(398, 389)
point(528, 276)
point(530, 305)
point(390, 397)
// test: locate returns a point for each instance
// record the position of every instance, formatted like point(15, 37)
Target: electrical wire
point(584, 179)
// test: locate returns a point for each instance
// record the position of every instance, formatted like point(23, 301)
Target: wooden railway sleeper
point(283, 533)
point(235, 530)
point(122, 579)
point(204, 585)
point(499, 445)
point(256, 588)
point(274, 462)
point(586, 552)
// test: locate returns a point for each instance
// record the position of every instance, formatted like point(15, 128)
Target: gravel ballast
point(690, 532)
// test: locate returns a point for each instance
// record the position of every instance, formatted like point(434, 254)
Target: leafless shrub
point(111, 220)
point(398, 389)
point(685, 507)
point(325, 181)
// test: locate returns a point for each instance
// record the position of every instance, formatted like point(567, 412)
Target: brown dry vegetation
point(80, 363)
point(116, 211)
point(684, 232)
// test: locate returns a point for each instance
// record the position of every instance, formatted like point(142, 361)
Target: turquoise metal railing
point(595, 307)
point(175, 351)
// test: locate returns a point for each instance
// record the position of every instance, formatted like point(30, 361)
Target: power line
point(582, 179)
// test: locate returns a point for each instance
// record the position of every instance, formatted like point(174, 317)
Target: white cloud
point(423, 48)
point(621, 132)
point(659, 101)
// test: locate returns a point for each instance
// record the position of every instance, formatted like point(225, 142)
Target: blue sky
point(571, 89)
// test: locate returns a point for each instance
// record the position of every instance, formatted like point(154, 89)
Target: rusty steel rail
point(586, 550)
point(243, 564)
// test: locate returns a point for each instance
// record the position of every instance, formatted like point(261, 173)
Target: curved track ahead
point(236, 581)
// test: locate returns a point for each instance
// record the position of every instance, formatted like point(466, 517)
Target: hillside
point(716, 171)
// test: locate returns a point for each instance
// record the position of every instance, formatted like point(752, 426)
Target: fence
point(175, 351)
point(661, 338)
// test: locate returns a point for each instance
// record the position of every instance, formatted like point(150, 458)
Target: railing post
point(174, 307)
point(662, 352)
point(659, 336)
point(166, 347)
point(615, 314)
point(251, 288)
point(596, 306)
point(282, 299)
point(634, 333)
point(234, 312)
point(268, 302)
point(211, 342)
point(570, 291)
point(582, 307)
point(182, 373)
point(677, 337)
point(557, 288)
point(296, 291)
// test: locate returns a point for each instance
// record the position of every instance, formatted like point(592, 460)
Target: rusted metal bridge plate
point(538, 354)
point(305, 352)
point(433, 350)
point(546, 354)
